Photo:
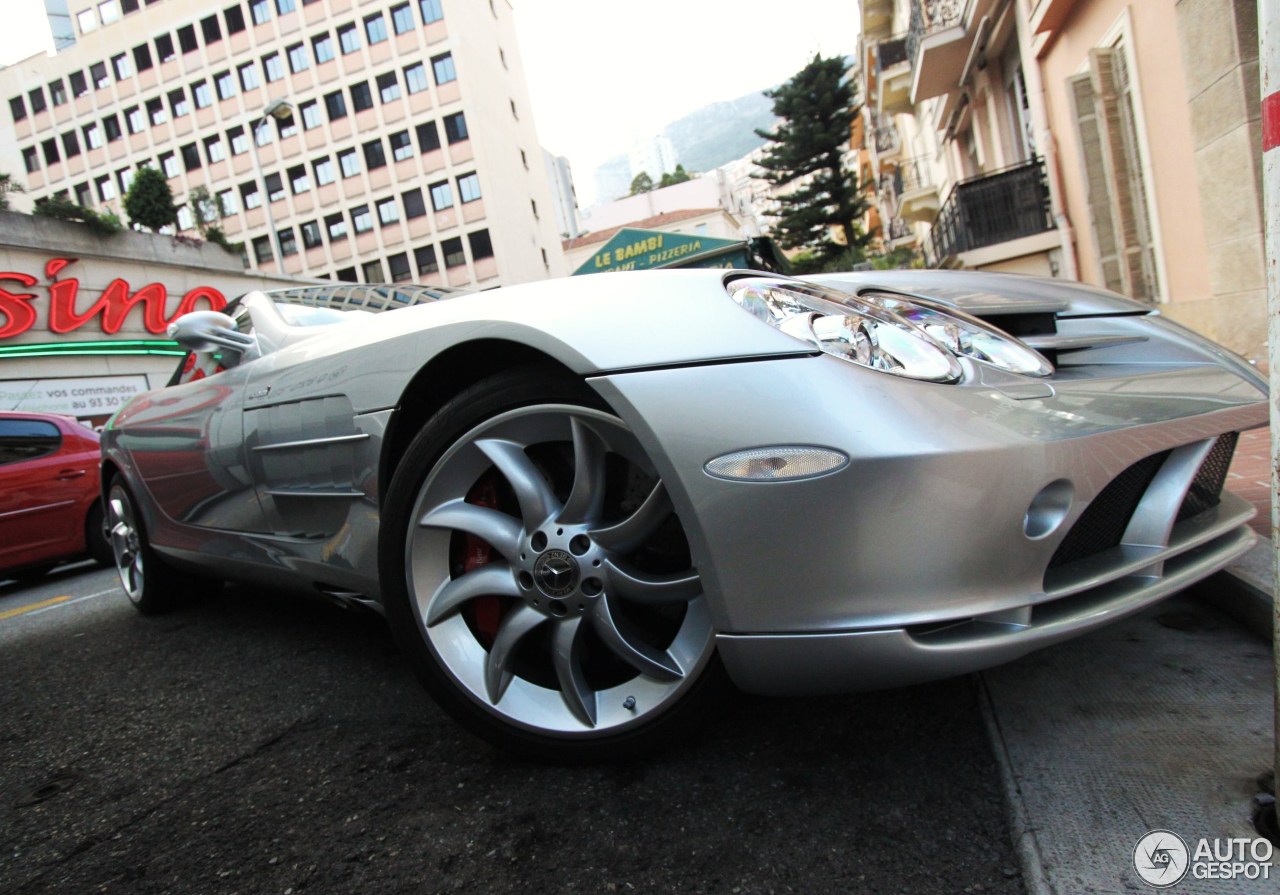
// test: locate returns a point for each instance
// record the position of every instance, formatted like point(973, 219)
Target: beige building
point(1107, 140)
point(410, 153)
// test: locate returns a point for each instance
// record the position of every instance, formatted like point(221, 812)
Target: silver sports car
point(582, 504)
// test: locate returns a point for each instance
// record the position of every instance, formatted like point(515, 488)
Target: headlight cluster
point(910, 337)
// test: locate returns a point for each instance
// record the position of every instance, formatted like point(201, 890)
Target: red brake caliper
point(485, 612)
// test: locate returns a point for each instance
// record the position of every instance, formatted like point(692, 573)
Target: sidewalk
point(1163, 721)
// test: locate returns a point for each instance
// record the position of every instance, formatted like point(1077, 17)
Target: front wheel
point(539, 577)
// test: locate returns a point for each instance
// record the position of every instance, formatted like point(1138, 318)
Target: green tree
point(149, 202)
point(641, 183)
point(8, 185)
point(206, 209)
point(671, 178)
point(817, 107)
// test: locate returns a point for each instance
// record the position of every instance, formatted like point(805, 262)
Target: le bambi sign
point(20, 309)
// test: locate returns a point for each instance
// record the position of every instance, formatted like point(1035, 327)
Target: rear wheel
point(151, 584)
point(96, 539)
point(540, 578)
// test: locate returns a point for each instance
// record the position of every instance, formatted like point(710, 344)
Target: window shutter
point(1097, 183)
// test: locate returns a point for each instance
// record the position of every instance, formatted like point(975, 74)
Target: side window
point(27, 439)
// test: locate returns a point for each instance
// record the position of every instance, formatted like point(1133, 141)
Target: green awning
point(633, 249)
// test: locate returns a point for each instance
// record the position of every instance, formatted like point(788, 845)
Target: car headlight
point(909, 337)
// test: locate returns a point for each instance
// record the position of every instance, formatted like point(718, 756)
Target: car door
point(41, 491)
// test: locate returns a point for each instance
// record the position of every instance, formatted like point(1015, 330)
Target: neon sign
point(112, 307)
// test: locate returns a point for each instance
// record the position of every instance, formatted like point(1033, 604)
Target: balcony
point(888, 142)
point(893, 75)
point(941, 42)
point(1000, 207)
point(897, 232)
point(916, 193)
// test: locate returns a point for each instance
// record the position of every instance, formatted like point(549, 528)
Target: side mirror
point(207, 331)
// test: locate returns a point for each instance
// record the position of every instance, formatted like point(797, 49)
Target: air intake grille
point(1206, 489)
point(1103, 522)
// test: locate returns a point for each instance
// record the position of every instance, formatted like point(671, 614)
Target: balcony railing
point(897, 228)
point(913, 174)
point(929, 16)
point(991, 209)
point(891, 52)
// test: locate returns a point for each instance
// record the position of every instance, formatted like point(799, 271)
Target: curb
point(1244, 590)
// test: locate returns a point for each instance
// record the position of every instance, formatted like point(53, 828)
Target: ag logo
point(1161, 858)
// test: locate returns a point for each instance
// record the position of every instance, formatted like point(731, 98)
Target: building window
point(388, 211)
point(428, 137)
point(169, 164)
point(248, 76)
point(79, 85)
point(49, 148)
point(311, 234)
point(310, 115)
point(201, 95)
point(227, 202)
point(109, 11)
point(288, 242)
point(481, 245)
point(401, 146)
point(259, 11)
point(361, 220)
point(164, 48)
point(214, 149)
point(125, 178)
point(134, 120)
point(285, 6)
point(372, 272)
point(106, 188)
point(93, 136)
point(441, 196)
point(335, 105)
point(388, 87)
point(402, 18)
point(287, 126)
point(187, 39)
point(239, 142)
point(375, 156)
point(111, 127)
point(349, 38)
point(225, 84)
point(191, 157)
point(425, 258)
point(431, 11)
point(57, 92)
point(84, 195)
point(178, 104)
point(469, 188)
point(249, 195)
point(120, 66)
point(443, 68)
point(298, 60)
point(349, 162)
point(98, 74)
point(234, 17)
point(455, 128)
point(87, 20)
point(415, 78)
point(414, 205)
point(211, 30)
point(186, 220)
point(299, 182)
point(453, 254)
point(263, 135)
point(322, 46)
point(142, 57)
point(18, 108)
point(70, 144)
point(375, 28)
point(274, 68)
point(30, 160)
point(336, 224)
point(262, 249)
point(275, 187)
point(156, 112)
point(399, 266)
point(324, 171)
point(346, 275)
point(361, 96)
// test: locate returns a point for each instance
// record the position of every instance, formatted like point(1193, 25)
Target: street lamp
point(279, 109)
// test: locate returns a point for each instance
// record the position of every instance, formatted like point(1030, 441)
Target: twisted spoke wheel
point(548, 579)
point(126, 545)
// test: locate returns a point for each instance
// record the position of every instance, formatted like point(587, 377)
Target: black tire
point(603, 678)
point(97, 543)
point(152, 585)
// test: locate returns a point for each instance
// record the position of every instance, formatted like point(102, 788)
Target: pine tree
point(807, 148)
point(149, 202)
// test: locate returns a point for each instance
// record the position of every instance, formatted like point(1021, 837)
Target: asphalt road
point(263, 743)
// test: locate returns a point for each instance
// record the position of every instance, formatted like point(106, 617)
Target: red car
point(50, 499)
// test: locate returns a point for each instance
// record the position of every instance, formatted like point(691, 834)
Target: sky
point(602, 73)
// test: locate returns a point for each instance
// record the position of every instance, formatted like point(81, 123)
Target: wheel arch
point(445, 375)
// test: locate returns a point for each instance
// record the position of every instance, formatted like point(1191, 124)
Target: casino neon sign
point(18, 313)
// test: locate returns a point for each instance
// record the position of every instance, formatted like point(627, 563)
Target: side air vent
point(1206, 488)
point(1104, 521)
